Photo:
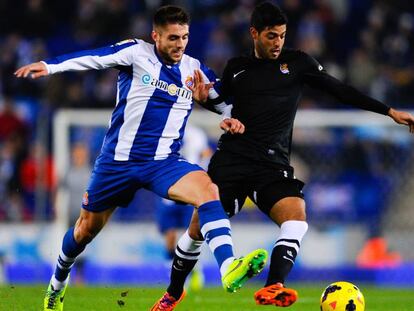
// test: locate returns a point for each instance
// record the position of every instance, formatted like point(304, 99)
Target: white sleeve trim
point(47, 67)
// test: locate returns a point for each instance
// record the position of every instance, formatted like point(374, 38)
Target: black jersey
point(265, 95)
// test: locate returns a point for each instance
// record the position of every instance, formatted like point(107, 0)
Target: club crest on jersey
point(284, 69)
point(85, 198)
point(189, 81)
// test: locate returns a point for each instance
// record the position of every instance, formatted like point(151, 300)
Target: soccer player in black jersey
point(264, 89)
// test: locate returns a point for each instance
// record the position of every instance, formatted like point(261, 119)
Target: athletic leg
point(289, 214)
point(197, 189)
point(74, 242)
point(211, 223)
point(186, 255)
point(232, 199)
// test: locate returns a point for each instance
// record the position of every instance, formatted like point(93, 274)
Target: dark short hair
point(170, 14)
point(267, 14)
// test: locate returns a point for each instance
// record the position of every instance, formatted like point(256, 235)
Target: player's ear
point(254, 33)
point(154, 35)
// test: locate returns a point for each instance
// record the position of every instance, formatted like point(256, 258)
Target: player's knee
point(298, 214)
point(303, 216)
point(212, 192)
point(207, 192)
point(302, 211)
point(288, 209)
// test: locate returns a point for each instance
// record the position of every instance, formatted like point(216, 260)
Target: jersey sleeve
point(317, 77)
point(117, 54)
point(215, 102)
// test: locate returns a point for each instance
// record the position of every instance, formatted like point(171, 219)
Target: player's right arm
point(119, 54)
point(212, 97)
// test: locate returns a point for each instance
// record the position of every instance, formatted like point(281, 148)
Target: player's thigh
point(178, 180)
point(195, 188)
point(281, 200)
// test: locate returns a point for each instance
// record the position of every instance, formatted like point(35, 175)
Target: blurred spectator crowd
point(368, 44)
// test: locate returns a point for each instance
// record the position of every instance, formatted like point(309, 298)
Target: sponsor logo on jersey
point(284, 68)
point(171, 88)
point(189, 81)
point(237, 73)
point(85, 198)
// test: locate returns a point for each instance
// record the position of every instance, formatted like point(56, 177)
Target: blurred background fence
point(358, 166)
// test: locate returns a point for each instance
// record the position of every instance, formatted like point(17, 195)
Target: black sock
point(282, 260)
point(181, 268)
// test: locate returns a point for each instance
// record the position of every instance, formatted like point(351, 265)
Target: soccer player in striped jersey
point(141, 149)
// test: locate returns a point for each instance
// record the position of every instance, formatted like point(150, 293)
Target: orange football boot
point(276, 295)
point(167, 303)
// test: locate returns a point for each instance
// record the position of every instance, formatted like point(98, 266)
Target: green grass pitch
point(28, 298)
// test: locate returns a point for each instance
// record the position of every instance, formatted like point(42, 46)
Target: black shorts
point(239, 178)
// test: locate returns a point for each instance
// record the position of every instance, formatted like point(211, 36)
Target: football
point(342, 296)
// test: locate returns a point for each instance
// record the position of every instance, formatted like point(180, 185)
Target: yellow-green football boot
point(242, 269)
point(54, 298)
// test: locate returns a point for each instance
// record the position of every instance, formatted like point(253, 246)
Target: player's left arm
point(318, 78)
point(402, 117)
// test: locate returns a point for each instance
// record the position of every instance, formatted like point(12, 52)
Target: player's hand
point(34, 71)
point(199, 88)
point(402, 117)
point(232, 125)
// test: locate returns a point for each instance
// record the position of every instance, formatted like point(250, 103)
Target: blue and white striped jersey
point(153, 99)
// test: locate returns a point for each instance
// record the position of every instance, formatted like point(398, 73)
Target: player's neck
point(164, 58)
point(256, 54)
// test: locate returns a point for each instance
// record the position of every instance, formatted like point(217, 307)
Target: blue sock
point(70, 250)
point(215, 227)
